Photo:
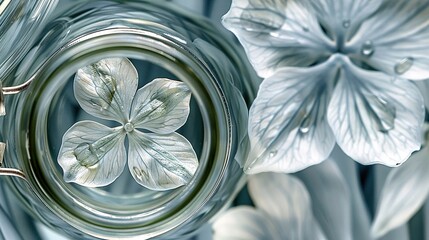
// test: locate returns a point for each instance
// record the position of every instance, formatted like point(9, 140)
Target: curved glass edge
point(21, 22)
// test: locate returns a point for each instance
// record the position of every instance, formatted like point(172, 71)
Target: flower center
point(129, 127)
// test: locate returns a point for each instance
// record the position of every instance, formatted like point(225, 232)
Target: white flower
point(336, 71)
point(94, 155)
point(283, 211)
point(404, 192)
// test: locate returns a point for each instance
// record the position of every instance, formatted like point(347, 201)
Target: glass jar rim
point(124, 39)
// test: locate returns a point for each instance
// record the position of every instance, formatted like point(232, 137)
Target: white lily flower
point(336, 71)
point(94, 155)
point(283, 211)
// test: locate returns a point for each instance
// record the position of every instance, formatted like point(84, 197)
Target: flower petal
point(161, 162)
point(375, 119)
point(244, 223)
point(277, 33)
point(360, 213)
point(340, 18)
point(285, 199)
point(398, 35)
point(423, 86)
point(92, 154)
point(105, 89)
point(161, 106)
point(330, 198)
point(403, 194)
point(287, 121)
point(380, 174)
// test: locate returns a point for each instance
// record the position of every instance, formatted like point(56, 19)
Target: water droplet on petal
point(138, 173)
point(104, 106)
point(306, 123)
point(304, 129)
point(275, 34)
point(346, 23)
point(386, 116)
point(386, 126)
point(86, 155)
point(273, 153)
point(367, 48)
point(404, 65)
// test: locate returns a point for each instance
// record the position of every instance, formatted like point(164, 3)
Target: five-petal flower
point(94, 155)
point(335, 71)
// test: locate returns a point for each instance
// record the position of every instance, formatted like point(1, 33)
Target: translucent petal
point(287, 121)
point(342, 18)
point(360, 212)
point(399, 35)
point(244, 222)
point(161, 106)
point(403, 194)
point(285, 200)
point(375, 118)
point(330, 198)
point(161, 162)
point(277, 33)
point(105, 89)
point(92, 154)
point(380, 174)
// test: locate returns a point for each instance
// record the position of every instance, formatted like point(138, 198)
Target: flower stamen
point(128, 127)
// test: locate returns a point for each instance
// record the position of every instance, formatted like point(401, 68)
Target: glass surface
point(21, 22)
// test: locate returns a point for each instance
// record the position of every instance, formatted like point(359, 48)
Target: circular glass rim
point(117, 42)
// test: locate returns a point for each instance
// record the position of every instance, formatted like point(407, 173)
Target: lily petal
point(161, 162)
point(105, 89)
point(161, 106)
point(287, 123)
point(285, 199)
point(244, 223)
point(92, 154)
point(375, 119)
point(403, 194)
point(398, 36)
point(276, 33)
point(330, 198)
